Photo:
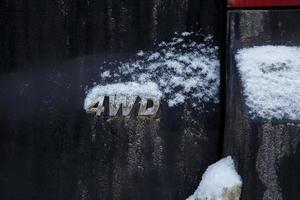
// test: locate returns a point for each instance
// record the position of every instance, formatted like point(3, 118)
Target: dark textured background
point(54, 30)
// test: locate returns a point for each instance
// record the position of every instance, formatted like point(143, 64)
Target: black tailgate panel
point(50, 148)
point(267, 151)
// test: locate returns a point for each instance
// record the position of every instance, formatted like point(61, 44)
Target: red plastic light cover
point(262, 3)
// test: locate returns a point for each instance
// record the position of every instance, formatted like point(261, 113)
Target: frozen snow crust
point(271, 81)
point(182, 69)
point(218, 177)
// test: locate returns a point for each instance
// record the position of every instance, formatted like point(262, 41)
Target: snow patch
point(217, 179)
point(105, 74)
point(270, 79)
point(128, 89)
point(186, 33)
point(140, 53)
point(186, 68)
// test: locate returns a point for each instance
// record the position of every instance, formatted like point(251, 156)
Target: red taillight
point(262, 3)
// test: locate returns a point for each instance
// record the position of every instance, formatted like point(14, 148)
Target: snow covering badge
point(270, 79)
point(123, 96)
point(183, 70)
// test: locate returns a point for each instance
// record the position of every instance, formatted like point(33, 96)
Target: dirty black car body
point(54, 52)
point(50, 148)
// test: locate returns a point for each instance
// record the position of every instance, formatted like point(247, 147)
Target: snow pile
point(183, 69)
point(148, 89)
point(271, 83)
point(219, 179)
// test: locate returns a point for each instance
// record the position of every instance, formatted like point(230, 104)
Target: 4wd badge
point(147, 105)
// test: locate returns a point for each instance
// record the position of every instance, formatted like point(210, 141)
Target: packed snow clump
point(270, 80)
point(219, 182)
point(185, 68)
point(148, 89)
